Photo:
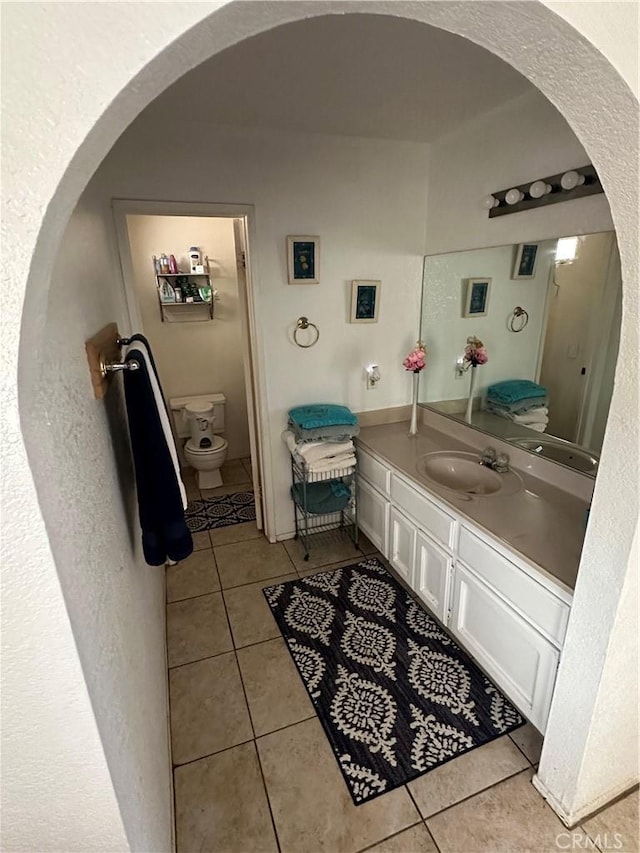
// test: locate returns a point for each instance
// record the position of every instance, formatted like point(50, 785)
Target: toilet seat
point(219, 443)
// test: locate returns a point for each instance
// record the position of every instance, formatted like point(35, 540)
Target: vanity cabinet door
point(373, 515)
point(432, 571)
point(519, 659)
point(402, 544)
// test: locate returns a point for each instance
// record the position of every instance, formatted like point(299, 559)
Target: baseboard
point(572, 819)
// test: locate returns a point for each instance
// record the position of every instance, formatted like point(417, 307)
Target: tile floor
point(253, 769)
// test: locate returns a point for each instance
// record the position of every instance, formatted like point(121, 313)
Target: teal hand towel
point(321, 415)
point(513, 390)
point(323, 498)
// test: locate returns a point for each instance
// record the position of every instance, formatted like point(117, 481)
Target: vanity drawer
point(546, 612)
point(431, 518)
point(373, 471)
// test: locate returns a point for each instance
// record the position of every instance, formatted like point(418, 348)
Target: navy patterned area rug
point(395, 694)
point(222, 511)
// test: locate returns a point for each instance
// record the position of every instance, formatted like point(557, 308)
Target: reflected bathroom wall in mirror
point(557, 330)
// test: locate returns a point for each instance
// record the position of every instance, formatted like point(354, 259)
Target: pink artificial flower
point(415, 361)
point(474, 352)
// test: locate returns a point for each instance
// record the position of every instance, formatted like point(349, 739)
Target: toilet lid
point(218, 443)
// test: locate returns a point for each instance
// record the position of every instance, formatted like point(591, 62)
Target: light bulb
point(490, 202)
point(513, 196)
point(538, 189)
point(571, 180)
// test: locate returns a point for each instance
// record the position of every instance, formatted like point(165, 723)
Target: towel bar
point(103, 355)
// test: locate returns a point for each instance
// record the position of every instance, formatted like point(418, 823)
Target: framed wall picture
point(524, 265)
point(476, 303)
point(303, 259)
point(365, 301)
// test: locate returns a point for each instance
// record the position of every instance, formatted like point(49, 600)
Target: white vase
point(413, 426)
point(472, 385)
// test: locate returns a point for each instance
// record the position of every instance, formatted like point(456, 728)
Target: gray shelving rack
point(308, 522)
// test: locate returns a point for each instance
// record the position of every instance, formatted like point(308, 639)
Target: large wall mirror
point(548, 316)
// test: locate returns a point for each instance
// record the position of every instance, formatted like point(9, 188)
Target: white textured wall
point(521, 141)
point(367, 201)
point(66, 99)
point(203, 357)
point(445, 330)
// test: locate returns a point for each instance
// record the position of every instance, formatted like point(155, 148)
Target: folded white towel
point(536, 427)
point(539, 416)
point(316, 451)
point(140, 350)
point(337, 463)
point(313, 451)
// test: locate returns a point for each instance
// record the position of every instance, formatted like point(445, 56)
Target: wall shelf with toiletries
point(184, 297)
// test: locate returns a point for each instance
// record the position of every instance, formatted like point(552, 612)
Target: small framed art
point(303, 259)
point(524, 265)
point(476, 303)
point(365, 301)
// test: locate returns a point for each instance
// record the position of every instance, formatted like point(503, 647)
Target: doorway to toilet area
point(187, 289)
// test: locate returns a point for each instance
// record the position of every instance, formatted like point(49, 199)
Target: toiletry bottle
point(164, 264)
point(173, 265)
point(194, 257)
point(156, 265)
point(178, 292)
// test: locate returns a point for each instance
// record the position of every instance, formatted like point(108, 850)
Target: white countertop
point(542, 523)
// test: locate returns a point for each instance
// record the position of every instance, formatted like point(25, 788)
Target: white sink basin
point(463, 473)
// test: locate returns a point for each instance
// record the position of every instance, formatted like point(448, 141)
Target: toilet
point(200, 420)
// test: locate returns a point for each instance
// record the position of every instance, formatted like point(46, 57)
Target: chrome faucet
point(498, 462)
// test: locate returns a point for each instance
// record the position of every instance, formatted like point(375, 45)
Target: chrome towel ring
point(303, 323)
point(518, 319)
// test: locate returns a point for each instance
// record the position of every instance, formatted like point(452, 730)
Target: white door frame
point(252, 344)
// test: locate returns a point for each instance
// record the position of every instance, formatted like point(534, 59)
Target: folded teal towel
point(323, 498)
point(513, 390)
point(321, 415)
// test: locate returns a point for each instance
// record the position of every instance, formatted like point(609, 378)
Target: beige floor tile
point(196, 575)
point(414, 840)
point(303, 573)
point(275, 692)
point(208, 708)
point(197, 628)
point(201, 540)
point(192, 491)
point(511, 817)
point(365, 545)
point(248, 562)
point(249, 614)
point(234, 533)
point(326, 549)
point(226, 489)
point(233, 472)
point(311, 805)
point(466, 775)
point(221, 806)
point(623, 818)
point(529, 739)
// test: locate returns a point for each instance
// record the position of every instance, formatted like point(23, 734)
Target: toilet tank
point(177, 406)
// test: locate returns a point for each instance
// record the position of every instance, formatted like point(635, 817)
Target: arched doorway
point(498, 28)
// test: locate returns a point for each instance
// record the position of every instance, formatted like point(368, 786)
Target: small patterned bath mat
point(222, 511)
point(395, 694)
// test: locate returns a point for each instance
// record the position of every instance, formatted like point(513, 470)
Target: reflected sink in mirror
point(462, 472)
point(560, 451)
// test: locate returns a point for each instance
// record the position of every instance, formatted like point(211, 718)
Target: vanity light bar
point(575, 183)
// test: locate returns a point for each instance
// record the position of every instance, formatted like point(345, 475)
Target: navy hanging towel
point(161, 501)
